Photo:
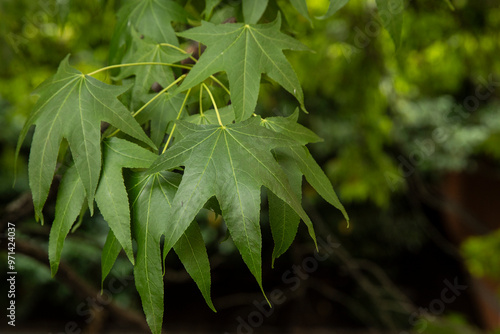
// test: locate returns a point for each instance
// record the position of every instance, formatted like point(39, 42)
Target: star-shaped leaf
point(70, 198)
point(160, 113)
point(232, 163)
point(391, 15)
point(296, 161)
point(151, 199)
point(111, 195)
point(244, 52)
point(146, 51)
point(72, 106)
point(151, 18)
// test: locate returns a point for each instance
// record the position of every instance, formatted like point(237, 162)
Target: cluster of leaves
point(164, 154)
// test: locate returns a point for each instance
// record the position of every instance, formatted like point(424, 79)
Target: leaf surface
point(70, 198)
point(192, 252)
point(335, 6)
point(151, 198)
point(72, 106)
point(391, 14)
point(301, 7)
point(151, 18)
point(244, 52)
point(144, 50)
point(253, 10)
point(111, 194)
point(109, 254)
point(232, 163)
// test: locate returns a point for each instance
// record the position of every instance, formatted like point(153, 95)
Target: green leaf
point(72, 106)
point(209, 7)
point(301, 7)
point(144, 50)
point(253, 10)
point(160, 113)
point(150, 196)
point(244, 52)
point(192, 252)
point(111, 195)
point(335, 5)
point(289, 127)
point(391, 14)
point(231, 162)
point(210, 117)
point(151, 18)
point(110, 253)
point(70, 198)
point(300, 154)
point(284, 221)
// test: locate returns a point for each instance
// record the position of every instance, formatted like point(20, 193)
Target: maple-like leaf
point(151, 18)
point(151, 199)
point(231, 163)
point(111, 195)
point(244, 52)
point(391, 15)
point(143, 51)
point(70, 198)
point(72, 106)
point(253, 10)
point(297, 162)
point(160, 113)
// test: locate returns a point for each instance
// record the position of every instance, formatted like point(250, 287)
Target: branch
point(81, 288)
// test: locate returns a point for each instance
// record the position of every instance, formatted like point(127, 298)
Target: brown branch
point(81, 288)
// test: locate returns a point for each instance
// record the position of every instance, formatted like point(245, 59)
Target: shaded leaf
point(244, 52)
point(209, 7)
point(253, 10)
point(109, 254)
point(151, 18)
point(301, 7)
point(192, 252)
point(391, 14)
point(160, 113)
point(148, 196)
point(335, 6)
point(70, 198)
point(231, 162)
point(111, 195)
point(72, 106)
point(284, 221)
point(145, 50)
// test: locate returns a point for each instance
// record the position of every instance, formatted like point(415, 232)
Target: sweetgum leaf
point(391, 14)
point(151, 18)
point(148, 196)
point(111, 195)
point(335, 5)
point(151, 199)
point(145, 50)
point(70, 198)
point(244, 52)
point(72, 106)
point(253, 10)
point(192, 252)
point(109, 254)
point(231, 162)
point(302, 157)
point(301, 7)
point(284, 221)
point(160, 113)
